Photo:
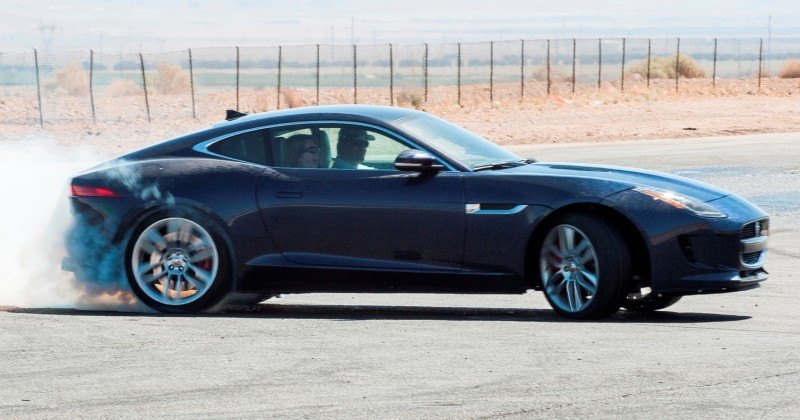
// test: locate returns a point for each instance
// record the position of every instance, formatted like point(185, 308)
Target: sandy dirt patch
point(697, 110)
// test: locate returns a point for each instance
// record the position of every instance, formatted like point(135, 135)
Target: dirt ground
point(696, 110)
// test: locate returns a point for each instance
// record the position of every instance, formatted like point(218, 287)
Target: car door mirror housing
point(418, 161)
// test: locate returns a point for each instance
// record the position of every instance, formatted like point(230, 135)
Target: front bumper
point(694, 255)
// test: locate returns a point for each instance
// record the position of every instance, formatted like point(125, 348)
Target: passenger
point(302, 151)
point(351, 148)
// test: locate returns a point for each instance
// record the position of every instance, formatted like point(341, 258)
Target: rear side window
point(249, 147)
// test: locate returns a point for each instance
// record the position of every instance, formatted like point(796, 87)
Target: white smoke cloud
point(34, 219)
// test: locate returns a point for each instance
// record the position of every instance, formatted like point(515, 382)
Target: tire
point(584, 265)
point(650, 304)
point(178, 262)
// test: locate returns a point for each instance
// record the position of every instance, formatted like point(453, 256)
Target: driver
point(351, 148)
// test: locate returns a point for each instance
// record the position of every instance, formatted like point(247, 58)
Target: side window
point(356, 147)
point(335, 146)
point(300, 147)
point(249, 147)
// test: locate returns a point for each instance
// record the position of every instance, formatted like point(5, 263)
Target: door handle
point(289, 194)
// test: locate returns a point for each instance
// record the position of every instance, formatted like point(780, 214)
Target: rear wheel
point(650, 304)
point(178, 264)
point(584, 265)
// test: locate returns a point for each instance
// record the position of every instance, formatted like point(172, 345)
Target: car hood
point(628, 177)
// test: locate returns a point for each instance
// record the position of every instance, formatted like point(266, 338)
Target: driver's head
point(352, 144)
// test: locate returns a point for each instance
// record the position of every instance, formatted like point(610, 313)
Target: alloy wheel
point(174, 261)
point(569, 268)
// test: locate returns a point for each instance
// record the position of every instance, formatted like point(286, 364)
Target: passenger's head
point(352, 144)
point(302, 151)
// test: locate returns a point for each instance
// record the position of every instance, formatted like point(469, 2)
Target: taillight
point(82, 191)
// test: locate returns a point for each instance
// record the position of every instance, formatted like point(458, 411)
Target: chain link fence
point(47, 87)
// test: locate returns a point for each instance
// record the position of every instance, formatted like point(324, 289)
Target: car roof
point(375, 112)
point(363, 113)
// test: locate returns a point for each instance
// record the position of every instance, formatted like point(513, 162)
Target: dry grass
point(409, 100)
point(74, 80)
point(664, 68)
point(293, 98)
point(790, 70)
point(170, 79)
point(556, 74)
point(261, 102)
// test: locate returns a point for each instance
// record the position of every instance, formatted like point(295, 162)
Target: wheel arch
point(634, 239)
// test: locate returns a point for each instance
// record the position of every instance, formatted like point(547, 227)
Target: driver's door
point(371, 218)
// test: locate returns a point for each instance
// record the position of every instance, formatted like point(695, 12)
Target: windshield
point(457, 143)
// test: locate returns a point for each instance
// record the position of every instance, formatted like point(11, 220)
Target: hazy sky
point(163, 25)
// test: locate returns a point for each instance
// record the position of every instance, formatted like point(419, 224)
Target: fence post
point(574, 64)
point(599, 62)
point(491, 72)
point(425, 70)
point(677, 63)
point(237, 78)
point(714, 73)
point(760, 61)
point(280, 68)
point(191, 83)
point(38, 87)
point(317, 74)
point(144, 86)
point(391, 75)
point(355, 74)
point(522, 70)
point(548, 67)
point(91, 80)
point(649, 45)
point(458, 78)
point(622, 73)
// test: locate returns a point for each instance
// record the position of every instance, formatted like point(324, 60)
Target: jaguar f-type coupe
point(380, 199)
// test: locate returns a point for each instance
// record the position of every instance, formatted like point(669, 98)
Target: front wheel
point(178, 264)
point(584, 264)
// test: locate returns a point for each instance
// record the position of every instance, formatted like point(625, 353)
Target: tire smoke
point(35, 219)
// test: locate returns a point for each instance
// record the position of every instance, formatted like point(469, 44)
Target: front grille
point(757, 228)
point(753, 242)
point(751, 257)
point(749, 230)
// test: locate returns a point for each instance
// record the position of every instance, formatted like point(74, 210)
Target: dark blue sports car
point(380, 199)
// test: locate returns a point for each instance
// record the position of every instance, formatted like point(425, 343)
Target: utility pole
point(352, 30)
point(769, 44)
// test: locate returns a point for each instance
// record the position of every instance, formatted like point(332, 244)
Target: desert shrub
point(293, 98)
point(790, 70)
point(409, 99)
point(74, 80)
point(171, 79)
point(557, 74)
point(262, 102)
point(664, 68)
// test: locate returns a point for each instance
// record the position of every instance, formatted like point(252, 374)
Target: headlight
point(682, 202)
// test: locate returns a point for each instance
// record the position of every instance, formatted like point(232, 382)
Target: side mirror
point(418, 161)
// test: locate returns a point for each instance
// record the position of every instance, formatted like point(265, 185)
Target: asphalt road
point(422, 356)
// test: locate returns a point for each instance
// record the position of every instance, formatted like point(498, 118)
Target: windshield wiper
point(501, 165)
